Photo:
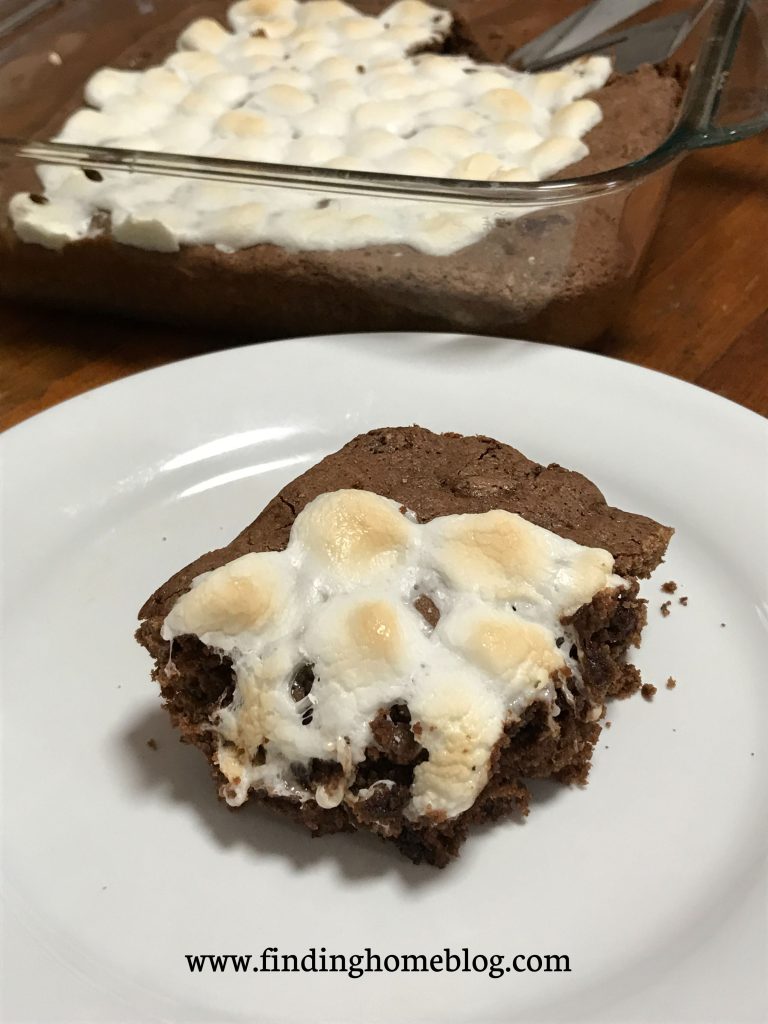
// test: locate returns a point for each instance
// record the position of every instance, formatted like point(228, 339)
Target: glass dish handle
point(735, 105)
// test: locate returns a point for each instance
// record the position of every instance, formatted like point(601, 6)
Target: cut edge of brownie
point(550, 740)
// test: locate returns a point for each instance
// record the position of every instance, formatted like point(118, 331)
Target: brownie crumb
point(665, 608)
point(669, 587)
point(152, 744)
point(683, 601)
point(722, 625)
point(648, 690)
point(671, 683)
point(608, 725)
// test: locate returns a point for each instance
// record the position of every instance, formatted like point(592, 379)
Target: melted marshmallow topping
point(314, 84)
point(340, 598)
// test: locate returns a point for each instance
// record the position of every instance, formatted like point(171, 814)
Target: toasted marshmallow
point(323, 12)
point(504, 646)
point(357, 29)
point(337, 603)
point(335, 69)
point(284, 99)
point(414, 13)
point(194, 66)
point(498, 551)
point(446, 139)
point(505, 105)
point(243, 596)
point(251, 124)
point(273, 28)
point(359, 641)
point(478, 167)
point(354, 533)
point(204, 34)
point(256, 46)
point(245, 13)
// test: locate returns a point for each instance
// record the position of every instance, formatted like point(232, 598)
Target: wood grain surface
point(700, 312)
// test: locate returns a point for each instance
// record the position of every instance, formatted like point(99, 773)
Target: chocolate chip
point(39, 200)
point(428, 610)
point(301, 681)
point(92, 174)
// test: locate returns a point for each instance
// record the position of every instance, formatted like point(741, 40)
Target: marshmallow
point(194, 66)
point(52, 224)
point(555, 154)
point(319, 84)
point(478, 167)
point(204, 34)
point(339, 598)
point(242, 15)
point(108, 83)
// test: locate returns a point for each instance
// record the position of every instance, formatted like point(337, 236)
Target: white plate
point(119, 860)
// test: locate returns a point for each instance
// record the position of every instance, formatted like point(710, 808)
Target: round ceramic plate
point(119, 861)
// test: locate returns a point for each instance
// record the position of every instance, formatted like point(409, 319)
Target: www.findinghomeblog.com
point(355, 965)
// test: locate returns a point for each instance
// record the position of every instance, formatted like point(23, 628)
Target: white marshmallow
point(388, 114)
point(313, 150)
point(555, 154)
point(51, 225)
point(109, 83)
point(419, 161)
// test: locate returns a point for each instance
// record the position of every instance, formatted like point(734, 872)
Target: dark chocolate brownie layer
point(437, 474)
point(555, 275)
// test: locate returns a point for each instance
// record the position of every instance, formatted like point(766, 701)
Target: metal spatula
point(649, 43)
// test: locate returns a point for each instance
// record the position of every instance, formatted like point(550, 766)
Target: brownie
point(557, 275)
point(436, 475)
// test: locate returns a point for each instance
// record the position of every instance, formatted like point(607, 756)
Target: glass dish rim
point(693, 129)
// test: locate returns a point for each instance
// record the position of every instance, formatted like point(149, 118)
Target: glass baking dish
point(557, 262)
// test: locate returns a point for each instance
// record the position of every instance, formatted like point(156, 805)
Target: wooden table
point(700, 313)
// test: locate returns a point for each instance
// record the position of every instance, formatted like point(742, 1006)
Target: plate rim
point(13, 433)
